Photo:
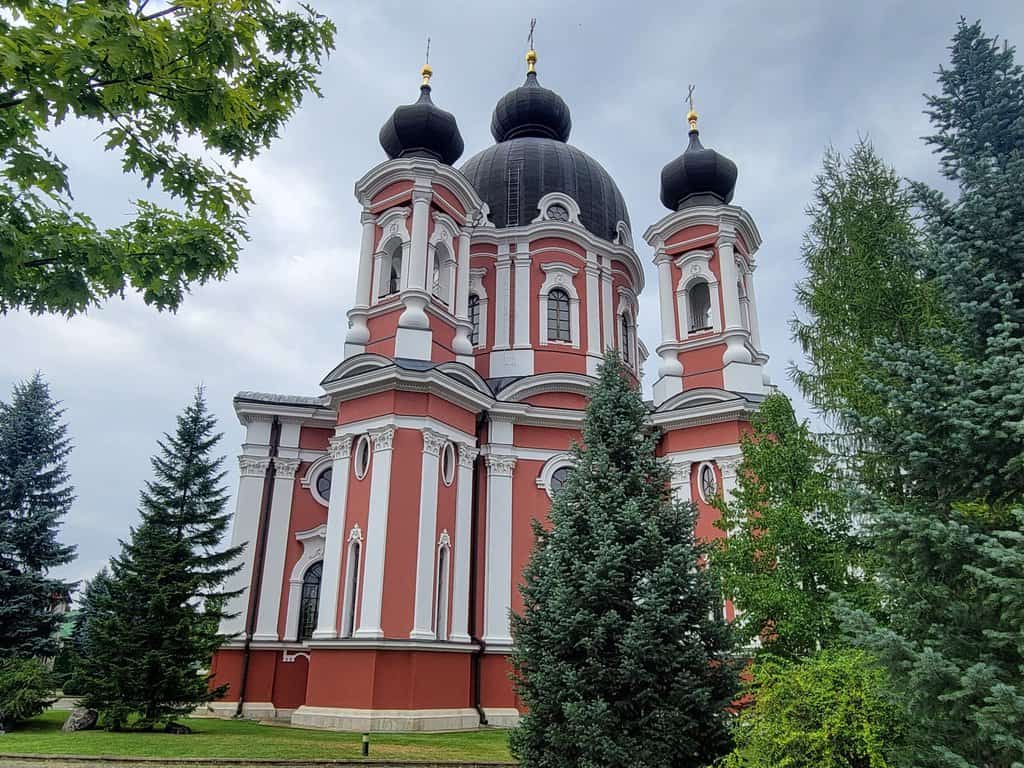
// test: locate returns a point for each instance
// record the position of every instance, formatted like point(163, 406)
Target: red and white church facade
point(388, 519)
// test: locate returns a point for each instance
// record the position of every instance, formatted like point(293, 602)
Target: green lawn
point(231, 738)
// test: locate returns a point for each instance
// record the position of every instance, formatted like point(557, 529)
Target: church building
point(387, 519)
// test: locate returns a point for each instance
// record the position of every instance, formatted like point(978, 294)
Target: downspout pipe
point(474, 570)
point(253, 610)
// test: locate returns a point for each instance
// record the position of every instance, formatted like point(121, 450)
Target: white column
point(607, 315)
point(730, 276)
point(376, 534)
point(503, 299)
point(680, 482)
point(755, 326)
point(244, 532)
point(418, 248)
point(729, 466)
point(277, 548)
point(358, 333)
point(498, 561)
point(339, 449)
point(423, 614)
point(594, 352)
point(462, 553)
point(522, 313)
point(413, 338)
point(462, 346)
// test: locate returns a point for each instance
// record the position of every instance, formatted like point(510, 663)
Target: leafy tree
point(620, 659)
point(792, 545)
point(829, 710)
point(152, 628)
point(26, 690)
point(226, 74)
point(34, 497)
point(951, 541)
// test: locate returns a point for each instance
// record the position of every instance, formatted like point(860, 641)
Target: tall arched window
point(558, 316)
point(309, 606)
point(348, 613)
point(395, 274)
point(474, 319)
point(741, 292)
point(441, 602)
point(627, 337)
point(699, 297)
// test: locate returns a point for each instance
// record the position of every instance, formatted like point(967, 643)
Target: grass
point(234, 738)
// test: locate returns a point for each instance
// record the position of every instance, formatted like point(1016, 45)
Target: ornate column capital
point(467, 455)
point(339, 446)
point(383, 438)
point(500, 465)
point(367, 218)
point(285, 469)
point(681, 472)
point(432, 441)
point(422, 195)
point(253, 466)
point(729, 465)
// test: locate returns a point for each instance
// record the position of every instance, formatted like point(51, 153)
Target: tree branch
point(165, 12)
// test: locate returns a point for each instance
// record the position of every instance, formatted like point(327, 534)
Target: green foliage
point(150, 630)
point(791, 547)
point(227, 74)
point(621, 657)
point(950, 534)
point(829, 710)
point(26, 690)
point(861, 285)
point(34, 497)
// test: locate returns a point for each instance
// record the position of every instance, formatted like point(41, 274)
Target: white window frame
point(351, 587)
point(695, 267)
point(443, 585)
point(362, 444)
point(700, 486)
point(547, 471)
point(559, 275)
point(393, 228)
point(476, 285)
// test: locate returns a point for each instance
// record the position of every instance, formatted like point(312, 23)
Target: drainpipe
point(474, 566)
point(258, 561)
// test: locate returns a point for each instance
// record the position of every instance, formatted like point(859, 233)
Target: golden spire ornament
point(531, 55)
point(426, 72)
point(691, 116)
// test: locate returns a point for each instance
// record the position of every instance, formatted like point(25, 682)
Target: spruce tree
point(152, 630)
point(950, 538)
point(621, 655)
point(792, 546)
point(35, 494)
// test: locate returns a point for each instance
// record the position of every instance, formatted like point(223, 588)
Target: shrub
point(26, 690)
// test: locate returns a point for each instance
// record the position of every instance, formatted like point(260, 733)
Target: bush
point(26, 690)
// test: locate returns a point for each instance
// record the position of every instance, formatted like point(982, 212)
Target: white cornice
point(382, 379)
point(410, 169)
point(249, 409)
point(725, 217)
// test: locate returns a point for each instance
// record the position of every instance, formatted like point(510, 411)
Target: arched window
point(627, 337)
point(440, 279)
point(700, 307)
point(741, 292)
point(558, 480)
point(323, 484)
point(558, 316)
point(441, 603)
point(309, 606)
point(474, 319)
point(395, 275)
point(348, 613)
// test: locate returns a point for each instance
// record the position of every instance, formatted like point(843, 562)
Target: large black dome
point(422, 130)
point(699, 176)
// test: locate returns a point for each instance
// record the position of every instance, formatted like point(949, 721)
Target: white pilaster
point(277, 549)
point(461, 345)
point(594, 352)
point(422, 625)
point(755, 325)
point(729, 466)
point(503, 297)
point(522, 312)
point(498, 576)
point(376, 534)
point(253, 470)
point(607, 315)
point(358, 333)
point(680, 482)
point(670, 370)
point(327, 618)
point(463, 544)
point(413, 337)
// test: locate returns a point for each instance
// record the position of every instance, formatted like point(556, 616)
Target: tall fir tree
point(35, 494)
point(154, 627)
point(951, 540)
point(792, 546)
point(621, 655)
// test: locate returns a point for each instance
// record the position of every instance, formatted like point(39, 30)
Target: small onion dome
point(699, 176)
point(531, 110)
point(422, 129)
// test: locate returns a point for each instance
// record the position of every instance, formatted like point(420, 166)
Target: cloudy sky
point(776, 82)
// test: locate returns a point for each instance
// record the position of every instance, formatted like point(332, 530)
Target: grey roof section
point(322, 401)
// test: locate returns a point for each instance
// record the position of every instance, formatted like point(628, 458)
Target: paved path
point(42, 761)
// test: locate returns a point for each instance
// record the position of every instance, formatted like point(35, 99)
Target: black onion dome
point(422, 130)
point(531, 110)
point(699, 176)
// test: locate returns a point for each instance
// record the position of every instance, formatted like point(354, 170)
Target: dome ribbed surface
point(422, 130)
point(531, 110)
point(542, 166)
point(699, 176)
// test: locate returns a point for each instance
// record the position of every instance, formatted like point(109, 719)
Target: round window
point(323, 484)
point(558, 480)
point(362, 456)
point(707, 483)
point(558, 212)
point(448, 463)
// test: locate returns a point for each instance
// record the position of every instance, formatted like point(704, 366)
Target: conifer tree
point(792, 546)
point(620, 654)
point(152, 630)
point(950, 538)
point(35, 494)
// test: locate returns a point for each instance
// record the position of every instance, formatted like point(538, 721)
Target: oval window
point(707, 483)
point(448, 464)
point(362, 457)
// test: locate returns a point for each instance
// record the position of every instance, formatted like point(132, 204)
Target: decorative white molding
point(289, 657)
point(467, 455)
point(559, 275)
point(500, 465)
point(571, 207)
point(285, 469)
point(253, 466)
point(695, 267)
point(356, 534)
point(383, 438)
point(339, 447)
point(433, 441)
point(444, 540)
point(476, 286)
point(551, 466)
point(313, 542)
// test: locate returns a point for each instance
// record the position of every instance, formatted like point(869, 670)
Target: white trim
point(552, 465)
point(558, 198)
point(422, 628)
point(706, 465)
point(408, 422)
point(476, 285)
point(386, 720)
point(559, 275)
point(448, 458)
point(376, 535)
point(312, 541)
point(695, 267)
point(327, 620)
point(443, 582)
point(350, 589)
point(498, 550)
point(312, 475)
point(362, 447)
point(725, 217)
point(461, 560)
point(503, 298)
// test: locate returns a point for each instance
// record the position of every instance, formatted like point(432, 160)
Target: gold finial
point(426, 71)
point(691, 116)
point(531, 55)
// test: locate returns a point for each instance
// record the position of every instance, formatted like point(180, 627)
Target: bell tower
point(705, 254)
